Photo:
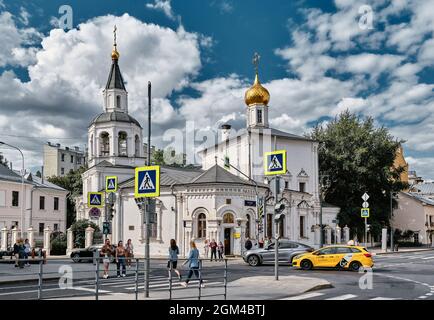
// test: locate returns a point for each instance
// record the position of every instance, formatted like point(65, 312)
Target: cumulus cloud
point(164, 6)
point(71, 68)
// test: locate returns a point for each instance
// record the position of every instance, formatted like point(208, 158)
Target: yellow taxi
point(341, 257)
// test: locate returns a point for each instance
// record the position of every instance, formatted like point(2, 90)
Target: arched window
point(105, 144)
point(122, 144)
point(282, 228)
point(259, 117)
point(201, 226)
point(91, 151)
point(248, 226)
point(118, 101)
point(137, 146)
point(228, 218)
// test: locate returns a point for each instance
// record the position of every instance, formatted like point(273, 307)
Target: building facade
point(44, 203)
point(59, 161)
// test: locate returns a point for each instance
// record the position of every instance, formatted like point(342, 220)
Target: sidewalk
point(248, 288)
point(400, 250)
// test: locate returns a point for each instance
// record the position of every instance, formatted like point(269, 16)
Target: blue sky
point(316, 60)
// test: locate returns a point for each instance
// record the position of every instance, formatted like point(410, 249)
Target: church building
point(212, 202)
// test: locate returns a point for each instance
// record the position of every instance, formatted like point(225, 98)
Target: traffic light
point(111, 211)
point(368, 227)
point(278, 211)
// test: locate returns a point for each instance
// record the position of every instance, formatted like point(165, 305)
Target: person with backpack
point(193, 264)
point(173, 259)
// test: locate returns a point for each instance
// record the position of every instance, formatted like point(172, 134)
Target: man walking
point(213, 246)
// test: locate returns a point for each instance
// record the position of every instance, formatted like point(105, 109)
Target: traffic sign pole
point(366, 233)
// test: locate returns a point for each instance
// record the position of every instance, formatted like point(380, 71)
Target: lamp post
point(22, 186)
point(324, 184)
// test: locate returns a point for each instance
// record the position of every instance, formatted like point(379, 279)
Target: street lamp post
point(391, 217)
point(324, 182)
point(22, 186)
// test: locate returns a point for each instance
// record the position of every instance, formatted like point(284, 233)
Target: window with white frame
point(201, 225)
point(2, 198)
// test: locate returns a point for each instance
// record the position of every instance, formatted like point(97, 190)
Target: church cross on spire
point(255, 61)
point(114, 35)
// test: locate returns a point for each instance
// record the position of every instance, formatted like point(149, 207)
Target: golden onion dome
point(257, 94)
point(115, 53)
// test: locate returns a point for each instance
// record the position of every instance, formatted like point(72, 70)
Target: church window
point(91, 147)
point(118, 101)
point(228, 218)
point(259, 116)
point(201, 226)
point(122, 142)
point(302, 186)
point(105, 144)
point(301, 226)
point(137, 146)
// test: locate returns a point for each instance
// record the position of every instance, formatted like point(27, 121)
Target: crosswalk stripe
point(427, 258)
point(88, 289)
point(173, 285)
point(304, 296)
point(384, 298)
point(343, 297)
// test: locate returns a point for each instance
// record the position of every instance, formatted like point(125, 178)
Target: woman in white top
point(27, 250)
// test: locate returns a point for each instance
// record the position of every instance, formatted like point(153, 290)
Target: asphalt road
point(408, 276)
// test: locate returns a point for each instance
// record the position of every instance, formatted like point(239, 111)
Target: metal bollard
point(40, 281)
point(96, 278)
point(136, 290)
point(170, 281)
point(226, 278)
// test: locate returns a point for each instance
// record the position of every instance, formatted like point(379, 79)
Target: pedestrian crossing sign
point(111, 184)
point(365, 212)
point(275, 162)
point(147, 182)
point(95, 200)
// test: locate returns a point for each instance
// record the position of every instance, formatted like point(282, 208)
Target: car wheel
point(253, 260)
point(306, 264)
point(76, 258)
point(355, 266)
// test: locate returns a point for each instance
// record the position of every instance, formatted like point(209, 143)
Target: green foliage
point(357, 158)
point(79, 231)
point(74, 184)
point(39, 174)
point(158, 158)
point(58, 247)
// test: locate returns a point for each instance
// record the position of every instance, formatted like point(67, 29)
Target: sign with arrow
point(147, 182)
point(275, 162)
point(95, 199)
point(111, 184)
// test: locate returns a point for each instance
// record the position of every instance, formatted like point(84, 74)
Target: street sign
point(365, 213)
point(94, 213)
point(365, 197)
point(275, 162)
point(95, 199)
point(237, 235)
point(365, 205)
point(111, 184)
point(249, 203)
point(147, 182)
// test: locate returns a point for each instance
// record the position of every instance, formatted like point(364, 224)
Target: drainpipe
point(172, 187)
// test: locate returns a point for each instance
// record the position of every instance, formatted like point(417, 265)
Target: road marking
point(88, 289)
point(162, 285)
point(343, 297)
point(423, 297)
point(304, 296)
point(384, 298)
point(429, 294)
point(427, 258)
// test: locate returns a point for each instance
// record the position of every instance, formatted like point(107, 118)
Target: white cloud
point(24, 16)
point(70, 70)
point(164, 6)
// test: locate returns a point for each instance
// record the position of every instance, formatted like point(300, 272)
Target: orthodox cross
point(114, 34)
point(255, 61)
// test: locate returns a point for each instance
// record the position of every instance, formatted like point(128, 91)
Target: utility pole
point(391, 217)
point(148, 200)
point(276, 245)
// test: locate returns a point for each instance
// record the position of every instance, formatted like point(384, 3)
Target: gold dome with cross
point(256, 94)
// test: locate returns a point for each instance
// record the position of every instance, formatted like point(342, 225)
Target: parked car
point(8, 253)
point(87, 254)
point(338, 257)
point(287, 251)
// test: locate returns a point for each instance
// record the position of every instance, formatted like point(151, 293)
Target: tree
point(158, 158)
point(74, 184)
point(78, 229)
point(39, 174)
point(358, 158)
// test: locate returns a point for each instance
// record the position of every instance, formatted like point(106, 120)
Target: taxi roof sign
point(275, 162)
point(111, 184)
point(147, 182)
point(95, 199)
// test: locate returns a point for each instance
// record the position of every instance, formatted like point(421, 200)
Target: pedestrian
point(267, 242)
point(120, 259)
point(261, 243)
point(206, 248)
point(21, 253)
point(27, 251)
point(221, 249)
point(193, 264)
point(213, 246)
point(248, 245)
point(173, 259)
point(107, 252)
point(129, 251)
point(16, 252)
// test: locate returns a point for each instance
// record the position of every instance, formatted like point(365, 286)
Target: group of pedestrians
point(215, 248)
point(22, 250)
point(121, 254)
